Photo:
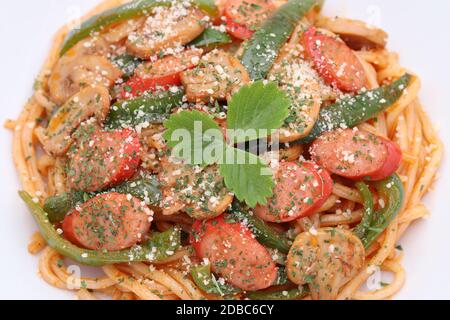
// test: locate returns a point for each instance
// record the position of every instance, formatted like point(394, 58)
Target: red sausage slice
point(356, 154)
point(327, 187)
point(103, 159)
point(162, 73)
point(300, 191)
point(243, 17)
point(334, 61)
point(392, 162)
point(110, 221)
point(234, 253)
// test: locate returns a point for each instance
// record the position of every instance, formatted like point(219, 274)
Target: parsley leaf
point(247, 176)
point(194, 137)
point(257, 107)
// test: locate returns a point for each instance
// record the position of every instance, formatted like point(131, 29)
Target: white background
point(418, 31)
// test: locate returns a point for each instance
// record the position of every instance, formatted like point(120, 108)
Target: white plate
point(418, 31)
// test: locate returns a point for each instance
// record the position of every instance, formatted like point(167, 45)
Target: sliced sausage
point(300, 190)
point(110, 221)
point(356, 154)
point(101, 159)
point(234, 253)
point(160, 74)
point(392, 162)
point(334, 61)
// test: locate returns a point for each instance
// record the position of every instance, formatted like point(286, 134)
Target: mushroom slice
point(217, 77)
point(325, 259)
point(356, 34)
point(71, 73)
point(122, 30)
point(306, 89)
point(89, 102)
point(200, 192)
point(168, 28)
point(88, 47)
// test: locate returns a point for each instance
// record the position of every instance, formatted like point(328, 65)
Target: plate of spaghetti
point(236, 149)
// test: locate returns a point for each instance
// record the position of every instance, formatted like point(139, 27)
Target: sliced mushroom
point(121, 31)
point(167, 28)
point(85, 64)
point(325, 259)
point(90, 46)
point(89, 102)
point(217, 77)
point(356, 34)
point(306, 89)
point(70, 74)
point(200, 192)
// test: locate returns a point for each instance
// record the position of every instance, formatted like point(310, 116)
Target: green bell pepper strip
point(208, 6)
point(392, 191)
point(206, 281)
point(293, 294)
point(152, 108)
point(367, 197)
point(278, 257)
point(282, 277)
point(160, 247)
point(210, 38)
point(353, 111)
point(263, 233)
point(58, 206)
point(263, 47)
point(146, 189)
point(131, 10)
point(127, 63)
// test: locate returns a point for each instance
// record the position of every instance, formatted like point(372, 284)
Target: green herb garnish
point(257, 107)
point(254, 112)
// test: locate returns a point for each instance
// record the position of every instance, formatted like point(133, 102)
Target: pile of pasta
point(405, 123)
